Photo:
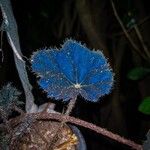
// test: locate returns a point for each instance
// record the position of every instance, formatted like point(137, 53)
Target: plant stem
point(141, 40)
point(70, 106)
point(91, 126)
point(73, 120)
point(126, 33)
point(10, 26)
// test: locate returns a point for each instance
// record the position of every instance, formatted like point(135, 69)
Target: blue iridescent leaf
point(73, 70)
point(44, 62)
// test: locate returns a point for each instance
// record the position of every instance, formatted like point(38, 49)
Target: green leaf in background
point(138, 73)
point(144, 107)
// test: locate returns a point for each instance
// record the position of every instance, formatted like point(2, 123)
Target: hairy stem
point(73, 120)
point(70, 106)
point(93, 127)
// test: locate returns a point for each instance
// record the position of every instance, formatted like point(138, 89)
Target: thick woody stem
point(93, 127)
point(69, 119)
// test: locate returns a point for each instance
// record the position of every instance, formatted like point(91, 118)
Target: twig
point(141, 40)
point(144, 20)
point(141, 22)
point(125, 31)
point(1, 46)
point(10, 26)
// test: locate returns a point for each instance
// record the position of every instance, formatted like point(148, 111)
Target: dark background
point(47, 23)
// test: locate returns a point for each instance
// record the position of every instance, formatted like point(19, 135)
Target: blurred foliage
point(8, 99)
point(138, 73)
point(144, 107)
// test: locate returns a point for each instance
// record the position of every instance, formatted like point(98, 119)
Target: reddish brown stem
point(91, 126)
point(70, 106)
point(69, 119)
